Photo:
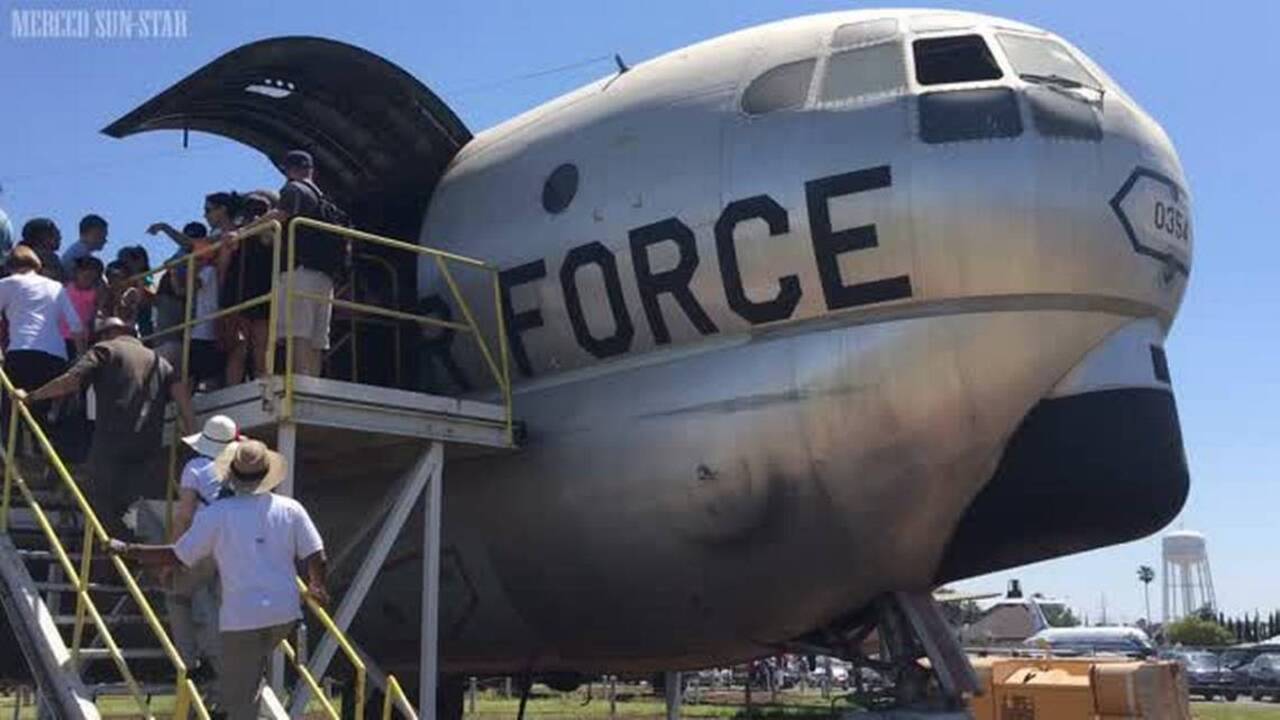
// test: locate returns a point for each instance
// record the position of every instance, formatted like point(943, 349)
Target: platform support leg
point(429, 667)
point(401, 504)
point(286, 445)
point(675, 694)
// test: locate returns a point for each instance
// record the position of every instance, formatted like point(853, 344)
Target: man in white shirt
point(256, 538)
point(192, 597)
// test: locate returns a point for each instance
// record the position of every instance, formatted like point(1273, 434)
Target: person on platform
point(93, 236)
point(256, 538)
point(244, 270)
point(85, 291)
point(318, 259)
point(33, 306)
point(131, 384)
point(171, 287)
point(137, 264)
point(43, 236)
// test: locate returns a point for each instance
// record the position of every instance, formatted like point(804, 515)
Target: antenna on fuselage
point(622, 66)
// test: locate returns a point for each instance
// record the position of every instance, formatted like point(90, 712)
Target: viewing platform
point(323, 421)
point(366, 459)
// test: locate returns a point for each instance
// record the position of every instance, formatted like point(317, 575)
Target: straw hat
point(219, 431)
point(250, 467)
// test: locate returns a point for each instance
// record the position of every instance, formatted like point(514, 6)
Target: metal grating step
point(93, 587)
point(148, 689)
point(110, 620)
point(128, 653)
point(50, 555)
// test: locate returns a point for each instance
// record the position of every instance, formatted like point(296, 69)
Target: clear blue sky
point(1204, 70)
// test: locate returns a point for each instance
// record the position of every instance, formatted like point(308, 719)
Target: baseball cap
point(298, 159)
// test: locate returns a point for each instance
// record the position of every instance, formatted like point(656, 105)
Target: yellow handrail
point(309, 679)
point(357, 662)
point(394, 696)
point(498, 364)
point(499, 367)
point(79, 578)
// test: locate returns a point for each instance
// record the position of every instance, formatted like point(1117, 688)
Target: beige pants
point(244, 662)
point(193, 600)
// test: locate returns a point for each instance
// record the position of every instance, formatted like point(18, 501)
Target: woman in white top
point(32, 305)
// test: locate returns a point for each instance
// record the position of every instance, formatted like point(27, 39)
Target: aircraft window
point(870, 70)
point(963, 58)
point(937, 22)
point(786, 86)
point(559, 189)
point(1043, 61)
point(862, 33)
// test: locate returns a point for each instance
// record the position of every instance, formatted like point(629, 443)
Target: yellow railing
point(498, 364)
point(393, 697)
point(357, 663)
point(352, 335)
point(496, 361)
point(186, 695)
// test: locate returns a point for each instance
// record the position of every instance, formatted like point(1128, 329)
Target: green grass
point(112, 707)
point(635, 703)
point(632, 705)
point(120, 707)
point(1233, 711)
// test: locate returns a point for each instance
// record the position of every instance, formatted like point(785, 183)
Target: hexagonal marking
point(1154, 213)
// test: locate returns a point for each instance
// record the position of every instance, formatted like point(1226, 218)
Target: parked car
point(1264, 677)
point(1081, 641)
point(839, 675)
point(1207, 677)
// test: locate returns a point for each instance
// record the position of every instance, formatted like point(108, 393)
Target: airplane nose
point(1152, 205)
point(1098, 461)
point(1092, 215)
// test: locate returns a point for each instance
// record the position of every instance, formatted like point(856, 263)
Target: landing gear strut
point(910, 628)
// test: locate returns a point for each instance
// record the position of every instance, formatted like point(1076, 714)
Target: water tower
point(1188, 584)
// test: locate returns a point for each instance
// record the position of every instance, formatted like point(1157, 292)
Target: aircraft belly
point(683, 511)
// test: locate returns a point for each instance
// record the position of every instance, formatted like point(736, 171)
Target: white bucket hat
point(219, 432)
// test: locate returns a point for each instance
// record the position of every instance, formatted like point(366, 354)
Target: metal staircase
point(87, 626)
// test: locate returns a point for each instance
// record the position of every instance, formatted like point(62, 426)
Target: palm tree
point(1145, 576)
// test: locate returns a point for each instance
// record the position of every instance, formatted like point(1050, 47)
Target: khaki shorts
point(310, 317)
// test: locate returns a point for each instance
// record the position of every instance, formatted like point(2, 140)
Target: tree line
point(1248, 629)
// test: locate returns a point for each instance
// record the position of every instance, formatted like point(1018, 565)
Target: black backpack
point(319, 250)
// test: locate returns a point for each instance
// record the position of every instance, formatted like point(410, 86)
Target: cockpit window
point(1041, 60)
point(865, 32)
point(871, 70)
point(786, 86)
point(957, 59)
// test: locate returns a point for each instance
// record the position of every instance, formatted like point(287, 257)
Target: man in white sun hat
point(192, 596)
point(256, 538)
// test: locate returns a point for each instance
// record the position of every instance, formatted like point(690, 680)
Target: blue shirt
point(200, 475)
point(77, 250)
